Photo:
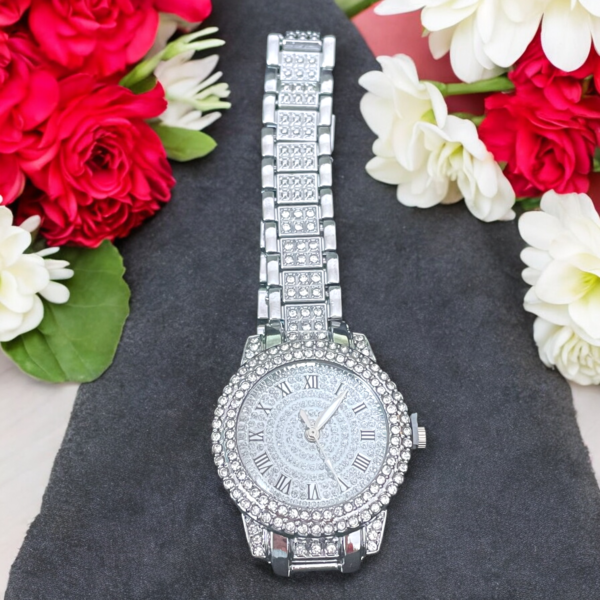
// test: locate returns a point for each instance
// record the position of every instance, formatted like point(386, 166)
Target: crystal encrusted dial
point(311, 438)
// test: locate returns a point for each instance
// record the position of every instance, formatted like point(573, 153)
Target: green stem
point(477, 119)
point(496, 84)
point(353, 7)
point(529, 203)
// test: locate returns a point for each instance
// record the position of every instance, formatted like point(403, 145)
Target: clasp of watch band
point(299, 295)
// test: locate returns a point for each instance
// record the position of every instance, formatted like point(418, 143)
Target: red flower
point(12, 10)
point(193, 11)
point(545, 147)
point(561, 88)
point(99, 37)
point(101, 168)
point(28, 95)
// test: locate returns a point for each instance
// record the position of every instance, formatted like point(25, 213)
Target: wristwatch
point(310, 436)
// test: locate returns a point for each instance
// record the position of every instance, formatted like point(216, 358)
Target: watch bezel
point(289, 519)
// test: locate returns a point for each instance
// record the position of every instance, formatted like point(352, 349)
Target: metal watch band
point(299, 295)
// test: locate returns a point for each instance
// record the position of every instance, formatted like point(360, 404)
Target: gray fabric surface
point(503, 504)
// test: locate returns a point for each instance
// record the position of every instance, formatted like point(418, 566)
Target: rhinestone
point(304, 515)
point(353, 522)
point(216, 436)
point(230, 423)
point(255, 510)
point(385, 499)
point(248, 485)
point(341, 525)
point(257, 539)
point(293, 513)
point(263, 500)
point(386, 470)
point(230, 445)
point(258, 551)
point(327, 515)
point(316, 529)
point(348, 507)
point(330, 549)
point(300, 549)
point(219, 460)
point(365, 516)
point(316, 515)
point(266, 517)
point(398, 478)
point(338, 511)
point(358, 502)
point(392, 489)
point(328, 529)
point(290, 527)
point(377, 525)
point(278, 522)
point(373, 535)
point(375, 507)
point(407, 443)
point(371, 546)
point(303, 529)
point(315, 549)
point(405, 455)
point(403, 467)
point(245, 504)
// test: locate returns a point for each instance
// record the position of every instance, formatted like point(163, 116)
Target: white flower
point(433, 158)
point(487, 36)
point(561, 347)
point(563, 269)
point(191, 90)
point(24, 276)
point(168, 24)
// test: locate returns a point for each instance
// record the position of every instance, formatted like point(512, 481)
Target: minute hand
point(330, 411)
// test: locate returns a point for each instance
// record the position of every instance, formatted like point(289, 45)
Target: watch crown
point(419, 435)
point(422, 438)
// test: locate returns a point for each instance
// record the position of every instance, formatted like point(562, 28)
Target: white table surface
point(33, 420)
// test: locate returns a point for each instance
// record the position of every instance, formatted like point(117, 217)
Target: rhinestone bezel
point(288, 519)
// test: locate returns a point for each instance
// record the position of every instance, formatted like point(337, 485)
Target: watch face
point(311, 438)
point(294, 461)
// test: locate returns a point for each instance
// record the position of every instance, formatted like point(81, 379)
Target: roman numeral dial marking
point(286, 390)
point(263, 463)
point(361, 462)
point(367, 435)
point(313, 492)
point(359, 407)
point(283, 484)
point(256, 436)
point(312, 382)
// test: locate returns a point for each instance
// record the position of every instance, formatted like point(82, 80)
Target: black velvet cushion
point(502, 505)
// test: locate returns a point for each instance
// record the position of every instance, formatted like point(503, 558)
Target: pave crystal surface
point(299, 188)
point(299, 66)
point(297, 125)
point(306, 318)
point(298, 94)
point(301, 252)
point(300, 156)
point(300, 286)
point(298, 220)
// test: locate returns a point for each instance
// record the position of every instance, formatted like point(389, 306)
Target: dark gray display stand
point(502, 505)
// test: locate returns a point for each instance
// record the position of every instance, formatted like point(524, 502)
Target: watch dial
point(312, 434)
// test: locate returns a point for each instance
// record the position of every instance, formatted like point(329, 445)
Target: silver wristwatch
point(310, 436)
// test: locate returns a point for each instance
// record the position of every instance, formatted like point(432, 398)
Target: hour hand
point(306, 419)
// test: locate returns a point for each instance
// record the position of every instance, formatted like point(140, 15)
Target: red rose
point(99, 37)
point(193, 11)
point(544, 147)
point(28, 95)
point(102, 169)
point(12, 10)
point(562, 89)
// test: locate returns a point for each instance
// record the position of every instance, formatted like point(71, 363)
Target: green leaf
point(145, 85)
point(77, 341)
point(529, 203)
point(184, 144)
point(353, 7)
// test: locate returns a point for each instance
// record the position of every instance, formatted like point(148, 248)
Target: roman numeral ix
point(267, 409)
point(256, 436)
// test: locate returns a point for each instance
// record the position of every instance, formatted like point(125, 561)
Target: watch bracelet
point(299, 294)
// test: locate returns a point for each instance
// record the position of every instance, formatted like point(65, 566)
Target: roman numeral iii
point(286, 390)
point(263, 463)
point(367, 435)
point(256, 436)
point(283, 484)
point(312, 382)
point(361, 462)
